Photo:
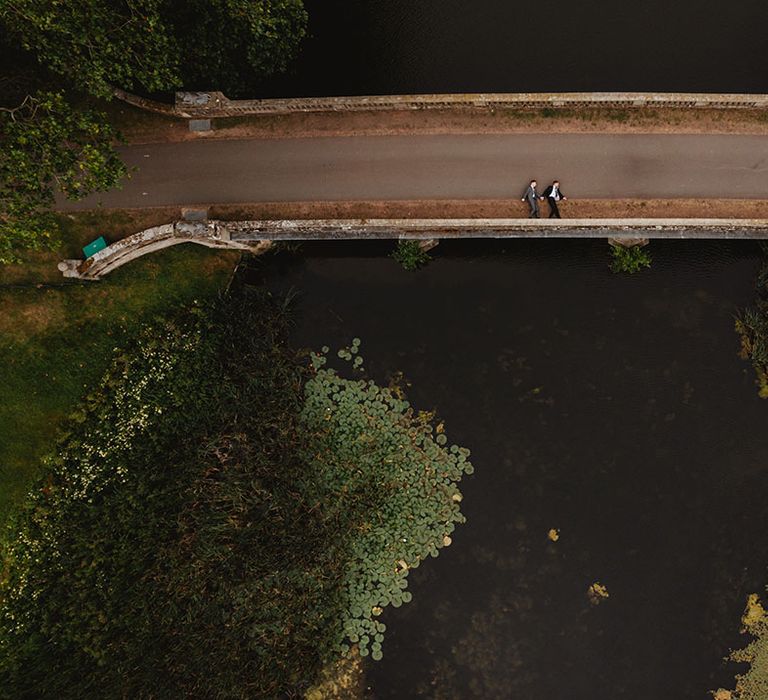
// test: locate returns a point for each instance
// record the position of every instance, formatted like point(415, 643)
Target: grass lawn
point(57, 336)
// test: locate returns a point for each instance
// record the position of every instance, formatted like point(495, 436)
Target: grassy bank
point(56, 337)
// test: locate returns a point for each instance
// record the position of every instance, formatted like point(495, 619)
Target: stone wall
point(147, 104)
point(207, 105)
point(206, 233)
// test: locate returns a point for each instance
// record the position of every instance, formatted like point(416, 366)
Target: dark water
point(368, 47)
point(613, 408)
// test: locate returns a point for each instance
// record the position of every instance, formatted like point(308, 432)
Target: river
point(421, 46)
point(613, 408)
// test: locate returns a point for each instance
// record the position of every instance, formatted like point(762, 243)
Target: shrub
point(752, 327)
point(148, 565)
point(629, 259)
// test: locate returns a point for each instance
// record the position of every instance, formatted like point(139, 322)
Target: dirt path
point(496, 208)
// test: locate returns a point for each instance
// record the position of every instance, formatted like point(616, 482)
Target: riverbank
point(57, 336)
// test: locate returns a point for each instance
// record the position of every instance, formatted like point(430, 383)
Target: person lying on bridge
point(531, 197)
point(553, 194)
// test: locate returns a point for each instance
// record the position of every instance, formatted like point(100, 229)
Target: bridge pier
point(629, 242)
point(428, 244)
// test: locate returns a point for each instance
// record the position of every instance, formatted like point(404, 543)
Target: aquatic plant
point(597, 593)
point(752, 685)
point(394, 485)
point(629, 259)
point(410, 254)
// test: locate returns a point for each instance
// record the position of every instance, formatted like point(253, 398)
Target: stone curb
point(258, 236)
point(319, 229)
point(207, 105)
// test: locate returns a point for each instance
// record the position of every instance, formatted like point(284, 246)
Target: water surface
point(614, 408)
point(420, 46)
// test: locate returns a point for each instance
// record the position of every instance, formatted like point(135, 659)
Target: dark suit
point(552, 199)
point(532, 198)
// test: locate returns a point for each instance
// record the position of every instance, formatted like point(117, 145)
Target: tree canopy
point(157, 45)
point(225, 43)
point(61, 54)
point(47, 144)
point(96, 44)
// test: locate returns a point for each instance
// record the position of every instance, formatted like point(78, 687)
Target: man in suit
point(532, 198)
point(553, 194)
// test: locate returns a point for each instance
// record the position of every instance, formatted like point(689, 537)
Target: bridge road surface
point(613, 166)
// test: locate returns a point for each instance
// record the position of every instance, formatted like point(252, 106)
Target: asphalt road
point(610, 166)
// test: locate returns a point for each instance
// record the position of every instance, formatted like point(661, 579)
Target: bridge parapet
point(218, 105)
point(207, 233)
point(208, 105)
point(427, 229)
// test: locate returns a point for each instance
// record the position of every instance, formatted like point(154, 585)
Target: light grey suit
point(532, 197)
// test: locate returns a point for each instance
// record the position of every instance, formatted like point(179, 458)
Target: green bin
point(94, 247)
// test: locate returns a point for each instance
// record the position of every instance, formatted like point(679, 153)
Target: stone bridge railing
point(117, 254)
point(257, 236)
point(208, 105)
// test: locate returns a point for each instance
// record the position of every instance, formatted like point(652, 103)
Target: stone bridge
point(257, 170)
point(257, 236)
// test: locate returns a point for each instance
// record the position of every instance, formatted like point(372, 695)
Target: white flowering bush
point(59, 558)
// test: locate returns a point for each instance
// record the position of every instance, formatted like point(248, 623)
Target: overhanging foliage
point(46, 145)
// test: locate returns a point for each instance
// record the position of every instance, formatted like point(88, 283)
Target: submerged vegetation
point(752, 327)
point(752, 685)
point(629, 259)
point(241, 560)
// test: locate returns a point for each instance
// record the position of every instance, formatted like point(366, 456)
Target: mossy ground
point(56, 336)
